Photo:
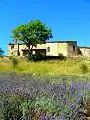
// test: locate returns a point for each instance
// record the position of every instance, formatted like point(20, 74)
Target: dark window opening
point(35, 46)
point(48, 49)
point(18, 53)
point(73, 48)
point(12, 46)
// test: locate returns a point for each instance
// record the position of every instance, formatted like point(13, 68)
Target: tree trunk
point(18, 49)
point(30, 49)
point(16, 42)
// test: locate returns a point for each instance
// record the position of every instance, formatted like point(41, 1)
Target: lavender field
point(28, 97)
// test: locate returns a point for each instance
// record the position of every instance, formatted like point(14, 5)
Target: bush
point(84, 68)
point(11, 108)
point(36, 57)
point(39, 57)
point(55, 57)
point(62, 57)
point(15, 62)
point(1, 52)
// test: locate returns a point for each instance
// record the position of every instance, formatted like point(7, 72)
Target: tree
point(1, 52)
point(32, 33)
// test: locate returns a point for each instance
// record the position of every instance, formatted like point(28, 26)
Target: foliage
point(15, 61)
point(62, 57)
point(11, 108)
point(50, 66)
point(46, 103)
point(84, 68)
point(39, 57)
point(36, 57)
point(65, 100)
point(32, 33)
point(1, 52)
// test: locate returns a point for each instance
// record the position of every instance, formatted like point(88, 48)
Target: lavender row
point(69, 97)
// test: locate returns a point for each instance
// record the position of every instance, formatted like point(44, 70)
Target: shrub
point(11, 108)
point(84, 68)
point(15, 62)
point(10, 57)
point(47, 104)
point(1, 52)
point(62, 57)
point(39, 57)
point(36, 57)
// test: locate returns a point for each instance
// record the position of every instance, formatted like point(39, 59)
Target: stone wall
point(67, 48)
point(85, 51)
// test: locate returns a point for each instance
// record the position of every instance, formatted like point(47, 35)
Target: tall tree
point(33, 33)
point(1, 52)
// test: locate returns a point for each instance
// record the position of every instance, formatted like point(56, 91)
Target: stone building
point(55, 48)
point(85, 51)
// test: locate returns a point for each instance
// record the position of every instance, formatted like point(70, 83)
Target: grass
point(53, 67)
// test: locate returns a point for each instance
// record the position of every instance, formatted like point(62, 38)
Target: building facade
point(66, 48)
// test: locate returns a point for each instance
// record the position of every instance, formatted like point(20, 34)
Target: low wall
point(85, 51)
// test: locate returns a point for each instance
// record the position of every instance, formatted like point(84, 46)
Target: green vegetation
point(50, 67)
point(38, 57)
point(19, 106)
point(11, 110)
point(33, 33)
point(15, 62)
point(1, 52)
point(58, 101)
point(84, 68)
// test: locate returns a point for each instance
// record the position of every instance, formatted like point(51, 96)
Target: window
point(48, 49)
point(73, 48)
point(12, 46)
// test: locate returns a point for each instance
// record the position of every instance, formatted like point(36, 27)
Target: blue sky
point(69, 19)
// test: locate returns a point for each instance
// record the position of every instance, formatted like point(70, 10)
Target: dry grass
point(45, 68)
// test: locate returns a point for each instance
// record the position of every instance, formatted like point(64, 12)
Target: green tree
point(1, 52)
point(32, 33)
